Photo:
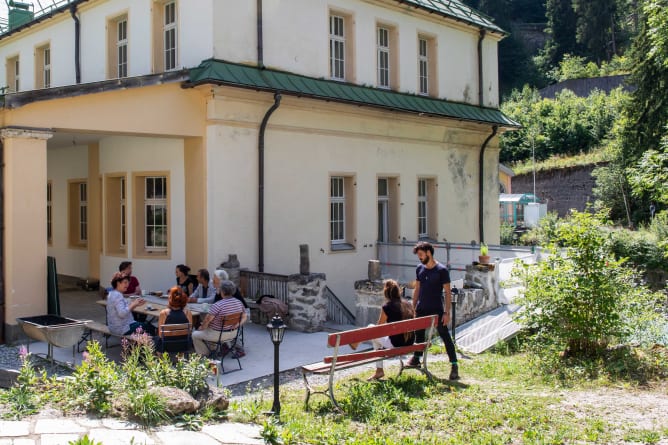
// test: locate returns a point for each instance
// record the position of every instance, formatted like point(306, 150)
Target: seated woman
point(394, 309)
point(205, 291)
point(220, 275)
point(184, 280)
point(212, 325)
point(119, 311)
point(175, 313)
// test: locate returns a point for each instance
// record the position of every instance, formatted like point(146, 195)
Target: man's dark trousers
point(443, 332)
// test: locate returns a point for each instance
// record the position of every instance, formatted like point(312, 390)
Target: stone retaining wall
point(307, 302)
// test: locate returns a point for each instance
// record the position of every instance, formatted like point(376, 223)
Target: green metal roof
point(220, 72)
point(456, 10)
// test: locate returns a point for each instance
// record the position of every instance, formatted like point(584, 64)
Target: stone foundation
point(370, 299)
point(307, 302)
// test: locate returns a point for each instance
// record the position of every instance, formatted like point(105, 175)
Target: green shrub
point(93, 381)
point(148, 407)
point(580, 298)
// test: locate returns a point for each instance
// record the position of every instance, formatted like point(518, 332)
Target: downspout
point(77, 43)
point(260, 197)
point(481, 184)
point(260, 46)
point(480, 74)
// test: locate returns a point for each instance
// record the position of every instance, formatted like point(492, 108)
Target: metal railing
point(259, 283)
point(398, 261)
point(337, 312)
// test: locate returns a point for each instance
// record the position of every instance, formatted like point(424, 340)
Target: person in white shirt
point(204, 292)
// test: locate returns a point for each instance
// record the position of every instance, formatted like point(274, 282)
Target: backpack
point(271, 306)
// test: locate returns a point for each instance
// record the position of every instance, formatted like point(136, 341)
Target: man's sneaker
point(454, 373)
point(414, 362)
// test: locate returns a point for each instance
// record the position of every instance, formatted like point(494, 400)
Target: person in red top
point(133, 287)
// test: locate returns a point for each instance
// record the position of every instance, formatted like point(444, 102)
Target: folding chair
point(225, 346)
point(175, 337)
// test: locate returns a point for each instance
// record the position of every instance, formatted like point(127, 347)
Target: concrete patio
point(297, 348)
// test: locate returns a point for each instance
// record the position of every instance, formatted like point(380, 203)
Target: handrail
point(337, 312)
point(261, 283)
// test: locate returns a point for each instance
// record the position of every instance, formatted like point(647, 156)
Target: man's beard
point(425, 260)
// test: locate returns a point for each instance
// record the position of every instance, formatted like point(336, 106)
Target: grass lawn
point(500, 399)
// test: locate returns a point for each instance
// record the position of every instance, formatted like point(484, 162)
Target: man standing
point(433, 280)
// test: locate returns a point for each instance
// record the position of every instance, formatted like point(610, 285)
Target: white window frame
point(46, 74)
point(337, 210)
point(383, 57)
point(170, 36)
point(83, 212)
point(123, 215)
point(49, 212)
point(423, 208)
point(423, 66)
point(155, 203)
point(17, 72)
point(384, 211)
point(337, 41)
point(122, 47)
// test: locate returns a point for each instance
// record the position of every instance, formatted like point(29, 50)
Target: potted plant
point(484, 251)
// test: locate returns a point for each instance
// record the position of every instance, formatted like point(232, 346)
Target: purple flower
point(23, 353)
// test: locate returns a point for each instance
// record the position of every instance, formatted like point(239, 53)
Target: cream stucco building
point(167, 132)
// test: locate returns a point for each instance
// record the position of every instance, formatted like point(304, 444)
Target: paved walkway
point(52, 429)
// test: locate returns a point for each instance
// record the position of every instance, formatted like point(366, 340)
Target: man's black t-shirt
point(430, 298)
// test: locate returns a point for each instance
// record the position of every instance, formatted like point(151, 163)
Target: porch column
point(24, 207)
point(94, 212)
point(195, 190)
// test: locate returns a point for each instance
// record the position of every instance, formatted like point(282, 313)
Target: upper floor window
point(13, 74)
point(340, 47)
point(337, 47)
point(427, 85)
point(383, 50)
point(122, 48)
point(169, 36)
point(43, 67)
point(117, 64)
point(386, 57)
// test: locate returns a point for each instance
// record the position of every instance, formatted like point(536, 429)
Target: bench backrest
point(369, 333)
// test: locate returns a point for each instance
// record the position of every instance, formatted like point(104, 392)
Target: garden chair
point(225, 345)
point(175, 337)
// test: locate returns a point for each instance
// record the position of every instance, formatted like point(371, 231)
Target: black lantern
point(276, 330)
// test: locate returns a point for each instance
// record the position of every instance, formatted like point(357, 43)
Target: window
point(169, 32)
point(386, 57)
point(115, 228)
point(426, 209)
point(340, 47)
point(49, 212)
point(13, 74)
point(427, 66)
point(118, 47)
point(341, 202)
point(43, 67)
point(383, 49)
point(337, 48)
point(151, 214)
point(78, 213)
point(388, 206)
point(123, 216)
point(122, 48)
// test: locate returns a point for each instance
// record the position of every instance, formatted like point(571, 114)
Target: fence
point(258, 284)
point(398, 261)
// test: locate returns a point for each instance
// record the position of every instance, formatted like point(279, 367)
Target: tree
point(595, 27)
point(561, 25)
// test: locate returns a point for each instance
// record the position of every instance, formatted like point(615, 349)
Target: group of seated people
point(221, 293)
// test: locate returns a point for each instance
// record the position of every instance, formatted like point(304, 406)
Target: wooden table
point(157, 304)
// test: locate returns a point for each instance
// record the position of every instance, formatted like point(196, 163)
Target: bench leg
point(330, 389)
point(308, 391)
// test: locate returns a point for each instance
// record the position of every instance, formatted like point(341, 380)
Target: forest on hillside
point(590, 38)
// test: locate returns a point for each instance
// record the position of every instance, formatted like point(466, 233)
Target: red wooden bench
point(338, 361)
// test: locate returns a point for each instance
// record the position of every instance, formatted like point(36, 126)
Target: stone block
point(185, 438)
point(119, 437)
point(57, 426)
point(58, 439)
point(14, 428)
point(237, 433)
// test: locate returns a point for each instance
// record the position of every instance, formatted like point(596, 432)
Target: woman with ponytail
point(394, 309)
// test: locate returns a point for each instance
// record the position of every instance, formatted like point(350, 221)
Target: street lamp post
point(276, 330)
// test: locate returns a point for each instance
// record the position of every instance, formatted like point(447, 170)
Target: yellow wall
point(25, 223)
